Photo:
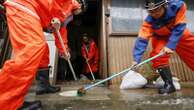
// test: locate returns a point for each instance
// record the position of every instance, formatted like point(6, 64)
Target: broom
point(81, 91)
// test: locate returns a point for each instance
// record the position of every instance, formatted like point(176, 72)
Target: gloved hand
point(66, 55)
point(56, 23)
point(87, 59)
point(77, 11)
point(167, 50)
point(133, 63)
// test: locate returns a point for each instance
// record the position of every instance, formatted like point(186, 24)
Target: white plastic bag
point(160, 83)
point(133, 80)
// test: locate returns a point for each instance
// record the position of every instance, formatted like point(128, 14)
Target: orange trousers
point(45, 58)
point(29, 46)
point(185, 49)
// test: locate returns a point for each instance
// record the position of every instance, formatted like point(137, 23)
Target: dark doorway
point(87, 22)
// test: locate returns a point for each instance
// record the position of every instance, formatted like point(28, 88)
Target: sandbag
point(133, 80)
point(160, 83)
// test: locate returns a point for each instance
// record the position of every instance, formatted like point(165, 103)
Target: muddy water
point(102, 98)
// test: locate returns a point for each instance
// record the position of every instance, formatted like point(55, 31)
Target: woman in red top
point(91, 56)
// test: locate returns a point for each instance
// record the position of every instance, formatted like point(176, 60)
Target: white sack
point(160, 83)
point(133, 80)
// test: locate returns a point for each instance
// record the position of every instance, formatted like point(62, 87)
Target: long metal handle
point(68, 60)
point(56, 23)
point(124, 71)
point(149, 59)
point(90, 70)
point(89, 65)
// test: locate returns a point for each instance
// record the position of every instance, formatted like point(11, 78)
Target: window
point(190, 14)
point(128, 15)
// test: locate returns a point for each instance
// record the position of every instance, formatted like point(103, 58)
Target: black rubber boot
point(34, 105)
point(43, 85)
point(167, 78)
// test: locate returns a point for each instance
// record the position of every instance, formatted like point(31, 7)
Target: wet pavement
point(111, 98)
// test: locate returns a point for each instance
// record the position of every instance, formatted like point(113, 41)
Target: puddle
point(72, 93)
point(178, 101)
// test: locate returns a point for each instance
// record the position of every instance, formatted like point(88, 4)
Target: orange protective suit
point(25, 20)
point(92, 55)
point(169, 31)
